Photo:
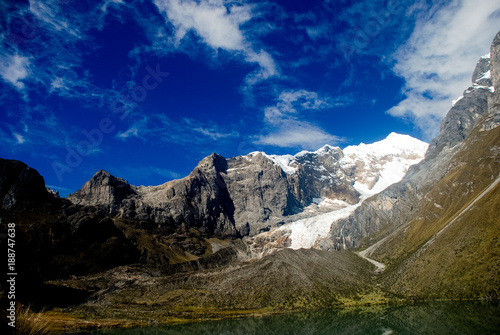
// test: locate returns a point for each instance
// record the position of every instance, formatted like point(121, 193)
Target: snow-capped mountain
point(372, 166)
point(365, 169)
point(381, 164)
point(256, 193)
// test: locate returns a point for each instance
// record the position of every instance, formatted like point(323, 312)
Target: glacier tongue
point(306, 232)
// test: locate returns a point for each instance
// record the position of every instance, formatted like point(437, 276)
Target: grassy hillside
point(464, 260)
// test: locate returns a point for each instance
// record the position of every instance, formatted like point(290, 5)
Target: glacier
point(378, 165)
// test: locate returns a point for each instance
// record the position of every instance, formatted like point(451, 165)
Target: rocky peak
point(493, 120)
point(466, 111)
point(495, 61)
point(215, 161)
point(20, 186)
point(480, 74)
point(102, 189)
point(400, 203)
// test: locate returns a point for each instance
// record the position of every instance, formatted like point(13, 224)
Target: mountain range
point(393, 220)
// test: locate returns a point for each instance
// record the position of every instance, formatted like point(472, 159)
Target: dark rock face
point(321, 175)
point(222, 197)
point(482, 67)
point(259, 190)
point(235, 197)
point(244, 195)
point(463, 116)
point(494, 99)
point(20, 186)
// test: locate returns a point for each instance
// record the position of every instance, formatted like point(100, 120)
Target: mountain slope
point(20, 186)
point(434, 233)
point(456, 254)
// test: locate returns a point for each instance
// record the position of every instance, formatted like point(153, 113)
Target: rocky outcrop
point(264, 194)
point(494, 99)
point(260, 192)
point(20, 186)
point(103, 189)
point(321, 175)
point(466, 112)
point(200, 200)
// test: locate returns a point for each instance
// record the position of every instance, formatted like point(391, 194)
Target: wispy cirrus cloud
point(215, 134)
point(130, 132)
point(160, 128)
point(42, 55)
point(50, 14)
point(40, 49)
point(132, 172)
point(438, 59)
point(286, 124)
point(14, 69)
point(19, 138)
point(38, 132)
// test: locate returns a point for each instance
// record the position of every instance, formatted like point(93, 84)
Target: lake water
point(430, 318)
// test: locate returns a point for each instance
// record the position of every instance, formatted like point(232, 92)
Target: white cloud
point(219, 26)
point(211, 21)
point(438, 59)
point(49, 13)
point(214, 134)
point(294, 134)
point(107, 3)
point(287, 129)
point(19, 138)
point(57, 83)
point(267, 66)
point(136, 129)
point(14, 69)
point(131, 132)
point(289, 102)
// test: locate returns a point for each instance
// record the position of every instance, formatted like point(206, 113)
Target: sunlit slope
point(447, 249)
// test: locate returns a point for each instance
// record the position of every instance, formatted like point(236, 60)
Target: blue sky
point(146, 88)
